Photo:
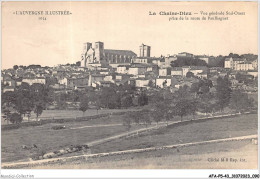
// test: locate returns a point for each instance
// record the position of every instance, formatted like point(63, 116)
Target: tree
point(201, 87)
point(98, 104)
point(192, 107)
point(207, 103)
point(188, 61)
point(182, 93)
point(246, 79)
point(163, 110)
point(189, 74)
point(15, 118)
point(33, 66)
point(240, 101)
point(194, 88)
point(83, 104)
point(15, 67)
point(233, 55)
point(127, 101)
point(182, 108)
point(61, 100)
point(168, 115)
point(109, 98)
point(38, 110)
point(24, 103)
point(40, 94)
point(143, 99)
point(27, 98)
point(164, 84)
point(223, 92)
point(8, 98)
point(78, 63)
point(150, 84)
point(7, 114)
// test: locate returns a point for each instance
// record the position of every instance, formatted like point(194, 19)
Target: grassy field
point(254, 96)
point(48, 140)
point(49, 114)
point(193, 157)
point(191, 132)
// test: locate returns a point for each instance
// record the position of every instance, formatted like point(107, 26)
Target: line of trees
point(188, 101)
point(188, 61)
point(24, 100)
point(114, 97)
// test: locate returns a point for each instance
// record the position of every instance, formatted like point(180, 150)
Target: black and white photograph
point(129, 85)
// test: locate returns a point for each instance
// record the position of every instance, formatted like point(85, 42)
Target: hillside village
point(100, 68)
point(115, 100)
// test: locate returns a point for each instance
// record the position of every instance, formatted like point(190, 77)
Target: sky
point(123, 26)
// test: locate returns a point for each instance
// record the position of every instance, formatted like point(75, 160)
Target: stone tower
point(86, 47)
point(145, 51)
point(99, 51)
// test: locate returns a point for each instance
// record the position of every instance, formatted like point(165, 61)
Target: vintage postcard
point(129, 85)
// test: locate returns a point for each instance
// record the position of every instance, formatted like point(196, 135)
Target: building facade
point(232, 62)
point(94, 55)
point(145, 51)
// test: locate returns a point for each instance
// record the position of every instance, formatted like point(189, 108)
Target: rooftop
point(120, 52)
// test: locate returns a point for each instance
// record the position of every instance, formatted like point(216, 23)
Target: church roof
point(120, 52)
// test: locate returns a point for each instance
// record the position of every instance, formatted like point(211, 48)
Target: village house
point(182, 71)
point(122, 69)
point(202, 75)
point(222, 74)
point(159, 61)
point(94, 78)
point(31, 81)
point(165, 81)
point(197, 69)
point(122, 79)
point(232, 62)
point(168, 60)
point(184, 83)
point(244, 66)
point(151, 75)
point(208, 59)
point(137, 69)
point(103, 72)
point(255, 64)
point(164, 71)
point(29, 74)
point(253, 73)
point(8, 80)
point(105, 83)
point(144, 60)
point(141, 82)
point(176, 71)
point(18, 81)
point(193, 69)
point(74, 82)
point(185, 54)
point(108, 78)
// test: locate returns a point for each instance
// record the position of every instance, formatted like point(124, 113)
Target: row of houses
point(241, 64)
point(140, 75)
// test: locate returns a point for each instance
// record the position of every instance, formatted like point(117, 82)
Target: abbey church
point(94, 55)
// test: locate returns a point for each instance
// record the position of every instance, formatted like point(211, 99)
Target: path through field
point(14, 164)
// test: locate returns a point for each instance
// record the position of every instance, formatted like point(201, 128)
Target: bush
point(15, 118)
point(58, 127)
